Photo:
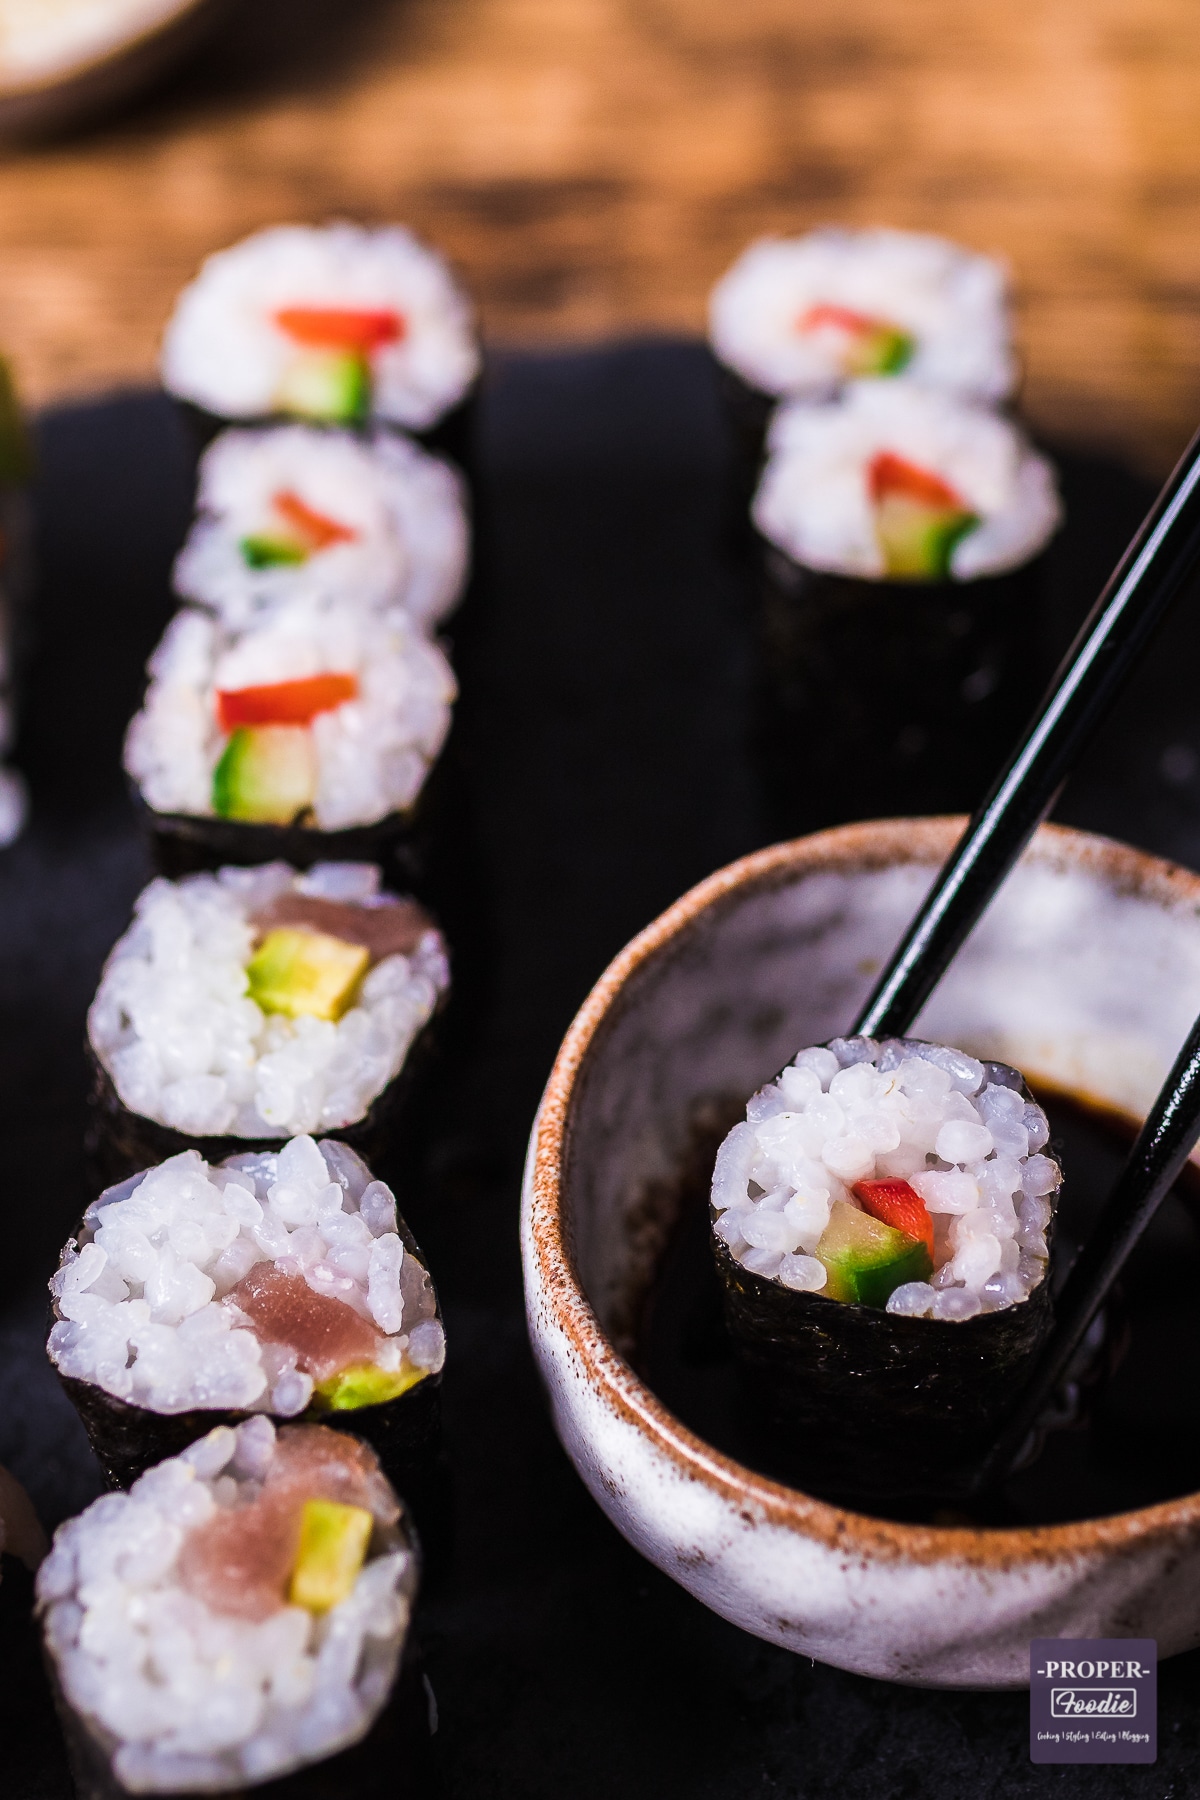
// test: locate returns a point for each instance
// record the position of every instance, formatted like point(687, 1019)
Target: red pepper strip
point(340, 328)
point(284, 702)
point(890, 474)
point(840, 316)
point(317, 529)
point(894, 1203)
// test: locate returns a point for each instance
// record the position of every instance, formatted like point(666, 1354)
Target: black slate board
point(601, 768)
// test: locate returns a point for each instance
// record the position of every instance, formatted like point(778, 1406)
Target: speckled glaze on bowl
point(1086, 975)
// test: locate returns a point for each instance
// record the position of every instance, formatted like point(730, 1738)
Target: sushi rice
point(193, 1286)
point(188, 1676)
point(295, 513)
point(332, 322)
point(351, 763)
point(816, 500)
point(175, 1027)
point(931, 1116)
point(799, 316)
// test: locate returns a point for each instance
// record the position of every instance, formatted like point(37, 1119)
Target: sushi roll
point(881, 1223)
point(336, 324)
point(297, 514)
point(195, 1294)
point(16, 467)
point(308, 734)
point(245, 1007)
point(901, 598)
point(799, 317)
point(240, 1617)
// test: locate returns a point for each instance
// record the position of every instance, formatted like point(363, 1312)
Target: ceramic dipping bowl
point(92, 63)
point(1085, 974)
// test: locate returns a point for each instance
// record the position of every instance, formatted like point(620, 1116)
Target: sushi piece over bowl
point(336, 323)
point(880, 1225)
point(285, 1285)
point(239, 1617)
point(244, 1007)
point(291, 513)
point(307, 734)
point(901, 596)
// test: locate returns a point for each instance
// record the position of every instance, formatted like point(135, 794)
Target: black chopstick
point(1153, 1166)
point(1137, 596)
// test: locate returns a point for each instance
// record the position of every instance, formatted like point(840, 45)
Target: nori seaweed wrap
point(885, 1304)
point(243, 1008)
point(333, 1321)
point(877, 701)
point(287, 1571)
point(189, 843)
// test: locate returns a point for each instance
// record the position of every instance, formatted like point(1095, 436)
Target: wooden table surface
point(592, 165)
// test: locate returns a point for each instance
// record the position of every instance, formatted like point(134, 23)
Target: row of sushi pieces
point(242, 1318)
point(253, 1342)
point(875, 363)
point(300, 696)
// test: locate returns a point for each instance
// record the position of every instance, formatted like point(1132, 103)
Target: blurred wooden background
point(592, 165)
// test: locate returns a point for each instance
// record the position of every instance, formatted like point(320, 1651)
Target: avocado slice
point(918, 539)
point(882, 350)
point(333, 1548)
point(262, 551)
point(267, 773)
point(327, 384)
point(364, 1385)
point(294, 971)
point(865, 1259)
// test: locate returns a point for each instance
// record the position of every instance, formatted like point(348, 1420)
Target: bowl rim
point(872, 844)
point(52, 78)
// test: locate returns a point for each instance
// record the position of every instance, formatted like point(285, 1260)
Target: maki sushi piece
point(16, 467)
point(901, 601)
point(243, 1008)
point(307, 734)
point(292, 513)
point(881, 1222)
point(335, 323)
point(799, 317)
point(240, 1617)
point(285, 1284)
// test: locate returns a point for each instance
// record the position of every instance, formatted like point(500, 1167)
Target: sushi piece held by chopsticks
point(881, 1223)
